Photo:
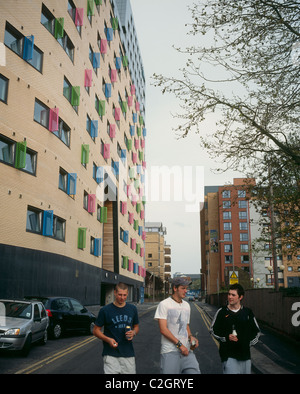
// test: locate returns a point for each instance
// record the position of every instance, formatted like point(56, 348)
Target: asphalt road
point(81, 354)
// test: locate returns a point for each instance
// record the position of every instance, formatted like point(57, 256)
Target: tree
point(254, 47)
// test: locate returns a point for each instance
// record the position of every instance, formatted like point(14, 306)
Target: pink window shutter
point(143, 144)
point(117, 113)
point(131, 216)
point(53, 119)
point(136, 144)
point(143, 235)
point(130, 101)
point(112, 130)
point(144, 164)
point(88, 75)
point(128, 190)
point(142, 252)
point(106, 153)
point(137, 106)
point(133, 243)
point(124, 207)
point(103, 46)
point(132, 89)
point(91, 202)
point(142, 214)
point(134, 200)
point(130, 265)
point(79, 16)
point(113, 75)
point(134, 158)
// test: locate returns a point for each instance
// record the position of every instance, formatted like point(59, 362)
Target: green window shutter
point(85, 152)
point(103, 215)
point(129, 144)
point(141, 120)
point(102, 107)
point(125, 262)
point(136, 225)
point(114, 23)
point(138, 248)
point(21, 154)
point(141, 155)
point(138, 207)
point(81, 240)
point(90, 7)
point(75, 95)
point(98, 2)
point(59, 28)
point(139, 131)
point(124, 106)
point(131, 173)
point(125, 61)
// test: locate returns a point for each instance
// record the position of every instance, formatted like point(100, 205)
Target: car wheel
point(90, 328)
point(56, 331)
point(27, 346)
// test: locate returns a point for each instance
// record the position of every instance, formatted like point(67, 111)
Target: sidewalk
point(266, 360)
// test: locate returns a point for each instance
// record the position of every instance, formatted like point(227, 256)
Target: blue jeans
point(233, 366)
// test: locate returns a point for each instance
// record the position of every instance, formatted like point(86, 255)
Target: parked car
point(191, 298)
point(21, 324)
point(66, 314)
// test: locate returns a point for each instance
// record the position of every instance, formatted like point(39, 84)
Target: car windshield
point(15, 309)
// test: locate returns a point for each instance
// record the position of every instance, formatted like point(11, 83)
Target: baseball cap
point(180, 281)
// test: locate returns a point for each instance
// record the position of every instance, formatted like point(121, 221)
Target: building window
point(243, 236)
point(227, 226)
point(245, 259)
point(242, 204)
point(228, 248)
point(228, 259)
point(3, 88)
point(244, 248)
point(63, 180)
point(59, 226)
point(227, 215)
point(227, 237)
point(7, 147)
point(226, 204)
point(226, 193)
point(243, 226)
point(41, 113)
point(242, 215)
point(241, 193)
point(16, 42)
point(34, 220)
point(63, 132)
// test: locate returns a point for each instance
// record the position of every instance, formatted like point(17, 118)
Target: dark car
point(66, 314)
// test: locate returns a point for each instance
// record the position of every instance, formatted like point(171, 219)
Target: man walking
point(177, 342)
point(121, 324)
point(235, 327)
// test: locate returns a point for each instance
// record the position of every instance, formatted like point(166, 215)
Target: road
point(81, 354)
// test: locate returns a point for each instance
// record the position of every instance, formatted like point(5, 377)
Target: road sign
point(233, 278)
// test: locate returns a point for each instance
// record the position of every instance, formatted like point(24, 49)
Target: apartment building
point(226, 236)
point(155, 249)
point(72, 149)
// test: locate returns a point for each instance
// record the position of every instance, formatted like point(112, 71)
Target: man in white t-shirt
point(173, 315)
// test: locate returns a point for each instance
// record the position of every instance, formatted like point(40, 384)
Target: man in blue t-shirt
point(118, 353)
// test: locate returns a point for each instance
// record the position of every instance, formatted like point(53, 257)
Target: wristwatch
point(178, 344)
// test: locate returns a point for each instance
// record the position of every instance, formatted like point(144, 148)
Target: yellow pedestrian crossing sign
point(233, 278)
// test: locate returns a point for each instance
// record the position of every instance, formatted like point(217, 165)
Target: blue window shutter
point(71, 187)
point(96, 60)
point(48, 223)
point(108, 90)
point(144, 132)
point(118, 63)
point(109, 33)
point(94, 128)
point(132, 130)
point(97, 247)
point(116, 167)
point(28, 47)
point(134, 117)
point(126, 236)
point(123, 155)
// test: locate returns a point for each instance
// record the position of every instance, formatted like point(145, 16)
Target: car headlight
point(12, 331)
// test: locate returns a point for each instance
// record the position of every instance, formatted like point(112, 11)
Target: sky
point(160, 24)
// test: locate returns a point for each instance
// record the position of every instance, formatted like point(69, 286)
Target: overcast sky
point(160, 24)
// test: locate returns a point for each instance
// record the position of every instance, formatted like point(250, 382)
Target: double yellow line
point(48, 360)
point(206, 320)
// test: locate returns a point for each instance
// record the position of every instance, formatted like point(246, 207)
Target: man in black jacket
point(235, 327)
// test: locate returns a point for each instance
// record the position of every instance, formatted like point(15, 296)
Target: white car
point(21, 324)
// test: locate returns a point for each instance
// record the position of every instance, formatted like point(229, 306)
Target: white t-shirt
point(177, 316)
